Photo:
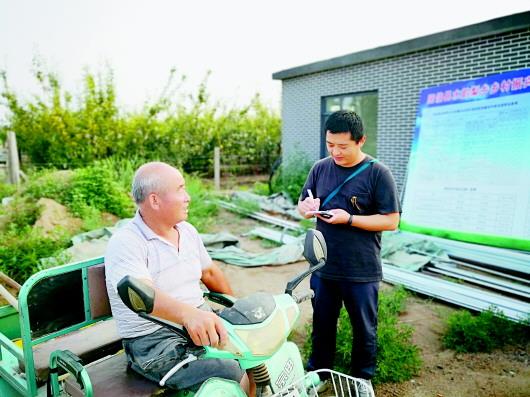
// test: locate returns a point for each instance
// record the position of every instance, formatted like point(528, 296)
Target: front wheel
point(217, 387)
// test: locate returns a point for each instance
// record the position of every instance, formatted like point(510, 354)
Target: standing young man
point(361, 209)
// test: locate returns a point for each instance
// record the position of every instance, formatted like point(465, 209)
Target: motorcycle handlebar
point(303, 296)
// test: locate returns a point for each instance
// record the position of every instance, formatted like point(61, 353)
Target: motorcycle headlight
point(266, 340)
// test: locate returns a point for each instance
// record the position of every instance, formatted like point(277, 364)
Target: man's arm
point(377, 222)
point(205, 328)
point(373, 223)
point(215, 280)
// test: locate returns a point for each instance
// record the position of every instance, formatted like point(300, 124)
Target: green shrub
point(93, 186)
point(92, 218)
point(261, 188)
point(22, 245)
point(6, 190)
point(397, 358)
point(49, 183)
point(292, 175)
point(122, 170)
point(21, 212)
point(202, 209)
point(21, 250)
point(55, 131)
point(485, 332)
point(246, 206)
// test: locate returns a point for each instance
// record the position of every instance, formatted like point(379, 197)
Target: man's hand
point(339, 216)
point(205, 328)
point(309, 204)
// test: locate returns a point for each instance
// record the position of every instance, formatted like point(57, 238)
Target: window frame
point(324, 115)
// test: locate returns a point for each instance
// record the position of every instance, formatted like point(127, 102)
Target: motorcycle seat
point(88, 343)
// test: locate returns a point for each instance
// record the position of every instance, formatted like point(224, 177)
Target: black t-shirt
point(353, 253)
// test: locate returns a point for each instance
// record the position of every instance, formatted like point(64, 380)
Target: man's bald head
point(152, 178)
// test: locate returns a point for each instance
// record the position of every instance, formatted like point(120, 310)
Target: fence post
point(217, 168)
point(13, 165)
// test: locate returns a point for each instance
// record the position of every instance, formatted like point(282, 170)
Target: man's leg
point(361, 301)
point(326, 308)
point(154, 355)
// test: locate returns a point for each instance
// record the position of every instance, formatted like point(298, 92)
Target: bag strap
point(353, 174)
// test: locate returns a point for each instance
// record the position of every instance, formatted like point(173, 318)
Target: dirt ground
point(444, 373)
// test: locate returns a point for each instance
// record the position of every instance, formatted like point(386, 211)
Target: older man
point(161, 248)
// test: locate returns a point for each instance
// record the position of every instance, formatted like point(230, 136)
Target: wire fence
point(231, 165)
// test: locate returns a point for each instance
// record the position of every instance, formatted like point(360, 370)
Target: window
point(365, 105)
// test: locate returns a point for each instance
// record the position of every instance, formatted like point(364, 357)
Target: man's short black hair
point(345, 121)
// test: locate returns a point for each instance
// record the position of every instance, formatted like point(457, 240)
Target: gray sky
point(241, 42)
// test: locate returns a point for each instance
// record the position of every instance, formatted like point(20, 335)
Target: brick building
point(383, 85)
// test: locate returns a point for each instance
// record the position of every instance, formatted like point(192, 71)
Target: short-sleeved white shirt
point(137, 251)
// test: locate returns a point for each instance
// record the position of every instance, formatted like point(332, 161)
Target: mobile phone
point(323, 214)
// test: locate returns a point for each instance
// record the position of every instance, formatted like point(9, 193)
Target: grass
point(22, 249)
point(264, 243)
point(202, 209)
point(6, 190)
point(246, 206)
point(261, 188)
point(292, 175)
point(489, 330)
point(398, 359)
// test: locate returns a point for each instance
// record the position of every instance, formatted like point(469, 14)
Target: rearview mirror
point(137, 295)
point(315, 250)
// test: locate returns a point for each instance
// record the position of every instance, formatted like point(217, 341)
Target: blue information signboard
point(469, 170)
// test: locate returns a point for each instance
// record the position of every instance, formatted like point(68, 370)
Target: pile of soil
point(54, 215)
